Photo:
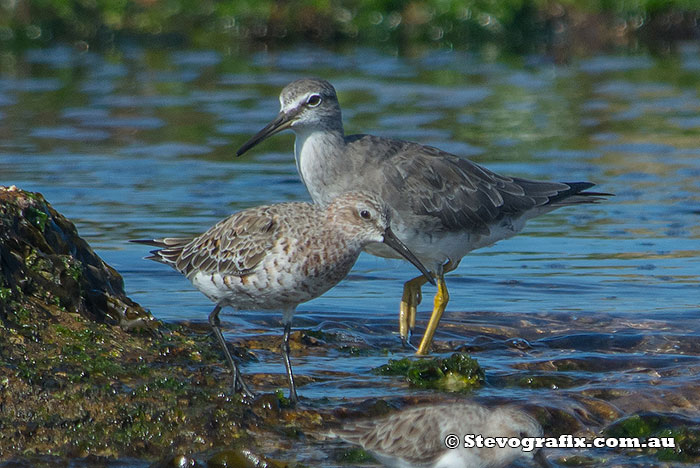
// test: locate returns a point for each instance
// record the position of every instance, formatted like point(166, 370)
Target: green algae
point(687, 441)
point(356, 455)
point(112, 406)
point(48, 269)
point(5, 294)
point(72, 267)
point(282, 400)
point(644, 424)
point(639, 425)
point(685, 435)
point(74, 381)
point(457, 373)
point(37, 217)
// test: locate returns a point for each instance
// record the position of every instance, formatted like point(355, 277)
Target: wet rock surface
point(87, 373)
point(46, 269)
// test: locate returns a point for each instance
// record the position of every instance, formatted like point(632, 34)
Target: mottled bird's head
point(365, 218)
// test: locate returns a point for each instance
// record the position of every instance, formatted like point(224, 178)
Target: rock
point(458, 373)
point(47, 269)
point(76, 382)
point(242, 458)
point(680, 435)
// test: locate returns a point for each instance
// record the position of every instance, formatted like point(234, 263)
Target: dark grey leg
point(285, 350)
point(238, 383)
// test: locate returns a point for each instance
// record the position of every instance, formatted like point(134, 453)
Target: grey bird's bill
point(281, 122)
point(392, 241)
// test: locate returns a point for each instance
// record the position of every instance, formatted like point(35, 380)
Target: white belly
point(277, 284)
point(434, 249)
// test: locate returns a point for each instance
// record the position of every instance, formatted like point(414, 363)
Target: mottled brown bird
point(275, 257)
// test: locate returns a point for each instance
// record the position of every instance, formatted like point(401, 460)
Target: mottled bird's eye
point(365, 214)
point(313, 100)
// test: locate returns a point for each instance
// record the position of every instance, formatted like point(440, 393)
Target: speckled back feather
point(235, 245)
point(415, 436)
point(397, 435)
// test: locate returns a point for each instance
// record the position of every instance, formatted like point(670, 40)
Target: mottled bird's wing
point(460, 194)
point(414, 435)
point(232, 247)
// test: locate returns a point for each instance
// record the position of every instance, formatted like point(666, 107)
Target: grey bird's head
point(365, 219)
point(305, 103)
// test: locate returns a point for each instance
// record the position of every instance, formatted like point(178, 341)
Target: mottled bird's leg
point(441, 299)
point(410, 300)
point(287, 363)
point(238, 383)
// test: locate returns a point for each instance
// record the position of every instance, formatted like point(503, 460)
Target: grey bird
point(275, 257)
point(444, 206)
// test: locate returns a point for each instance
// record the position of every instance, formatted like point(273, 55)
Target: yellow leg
point(407, 310)
point(442, 297)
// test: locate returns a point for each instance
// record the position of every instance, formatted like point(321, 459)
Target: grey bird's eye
point(313, 100)
point(365, 214)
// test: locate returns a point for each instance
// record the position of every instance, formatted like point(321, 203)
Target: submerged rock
point(242, 458)
point(684, 433)
point(46, 269)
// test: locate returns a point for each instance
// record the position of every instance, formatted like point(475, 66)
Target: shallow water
point(603, 299)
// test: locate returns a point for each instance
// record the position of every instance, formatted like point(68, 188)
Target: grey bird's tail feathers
point(169, 249)
point(576, 194)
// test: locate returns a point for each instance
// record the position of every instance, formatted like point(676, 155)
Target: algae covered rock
point(456, 373)
point(77, 382)
point(684, 433)
point(46, 269)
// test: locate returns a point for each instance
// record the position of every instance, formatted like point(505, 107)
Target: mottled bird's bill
point(392, 241)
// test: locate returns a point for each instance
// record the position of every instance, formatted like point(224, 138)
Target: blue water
point(141, 143)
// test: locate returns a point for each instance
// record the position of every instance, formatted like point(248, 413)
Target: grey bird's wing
point(414, 435)
point(458, 193)
point(232, 247)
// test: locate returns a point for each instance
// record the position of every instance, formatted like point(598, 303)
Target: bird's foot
point(406, 341)
point(410, 300)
